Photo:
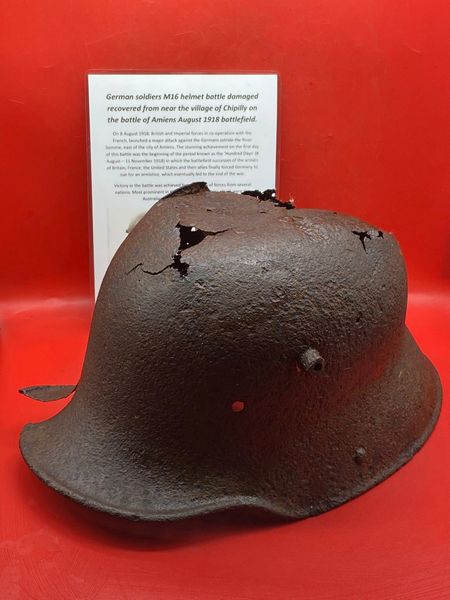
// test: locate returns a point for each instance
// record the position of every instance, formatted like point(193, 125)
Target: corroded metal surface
point(241, 354)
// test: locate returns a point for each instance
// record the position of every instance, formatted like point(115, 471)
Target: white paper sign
point(150, 134)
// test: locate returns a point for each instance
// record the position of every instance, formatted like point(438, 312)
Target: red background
point(365, 129)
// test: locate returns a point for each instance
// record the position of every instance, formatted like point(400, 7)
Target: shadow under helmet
point(240, 354)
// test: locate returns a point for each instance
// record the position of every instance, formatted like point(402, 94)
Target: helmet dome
point(241, 354)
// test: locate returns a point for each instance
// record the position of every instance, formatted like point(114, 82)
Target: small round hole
point(318, 365)
point(237, 406)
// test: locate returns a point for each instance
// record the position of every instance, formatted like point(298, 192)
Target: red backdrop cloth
point(364, 129)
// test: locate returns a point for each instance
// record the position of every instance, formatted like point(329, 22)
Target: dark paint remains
point(240, 354)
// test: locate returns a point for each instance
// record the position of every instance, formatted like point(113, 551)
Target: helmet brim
point(67, 454)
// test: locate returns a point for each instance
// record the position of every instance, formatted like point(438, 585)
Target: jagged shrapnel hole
point(271, 196)
point(368, 235)
point(189, 236)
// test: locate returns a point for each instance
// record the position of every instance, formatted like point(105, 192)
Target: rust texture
point(241, 354)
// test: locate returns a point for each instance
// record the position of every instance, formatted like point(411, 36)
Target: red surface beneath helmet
point(364, 129)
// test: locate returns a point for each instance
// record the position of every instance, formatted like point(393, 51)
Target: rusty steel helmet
point(242, 353)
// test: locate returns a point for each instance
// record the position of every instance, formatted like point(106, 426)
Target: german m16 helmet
point(240, 354)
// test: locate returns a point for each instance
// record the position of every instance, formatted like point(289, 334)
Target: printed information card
point(150, 134)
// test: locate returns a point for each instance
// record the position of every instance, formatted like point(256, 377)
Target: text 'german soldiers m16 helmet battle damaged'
point(242, 353)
